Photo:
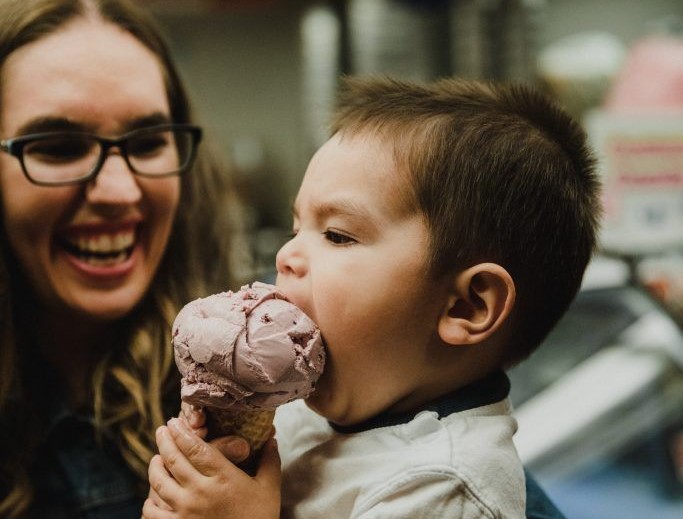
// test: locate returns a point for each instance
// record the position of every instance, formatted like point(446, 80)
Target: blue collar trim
point(491, 389)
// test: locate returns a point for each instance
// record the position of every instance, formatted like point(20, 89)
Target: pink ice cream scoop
point(247, 350)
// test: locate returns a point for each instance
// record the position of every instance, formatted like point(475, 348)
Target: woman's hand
point(191, 478)
point(195, 418)
point(235, 448)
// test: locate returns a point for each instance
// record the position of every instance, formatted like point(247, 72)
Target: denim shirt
point(538, 504)
point(75, 476)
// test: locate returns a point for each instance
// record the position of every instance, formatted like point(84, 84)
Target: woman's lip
point(115, 271)
point(104, 272)
point(95, 239)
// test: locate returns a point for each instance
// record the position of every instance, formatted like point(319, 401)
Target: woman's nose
point(290, 259)
point(115, 184)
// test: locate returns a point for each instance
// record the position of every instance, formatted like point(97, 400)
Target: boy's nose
point(290, 260)
point(115, 183)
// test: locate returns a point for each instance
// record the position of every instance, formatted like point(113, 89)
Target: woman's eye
point(148, 145)
point(338, 238)
point(60, 149)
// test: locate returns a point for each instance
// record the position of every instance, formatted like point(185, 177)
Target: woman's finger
point(151, 511)
point(204, 457)
point(157, 500)
point(164, 490)
point(235, 448)
point(270, 470)
point(175, 461)
point(195, 416)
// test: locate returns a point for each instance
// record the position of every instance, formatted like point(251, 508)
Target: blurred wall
point(626, 19)
point(243, 67)
point(242, 71)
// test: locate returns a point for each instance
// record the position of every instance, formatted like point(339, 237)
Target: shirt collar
point(491, 389)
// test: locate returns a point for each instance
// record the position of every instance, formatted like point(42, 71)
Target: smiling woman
point(109, 224)
point(112, 203)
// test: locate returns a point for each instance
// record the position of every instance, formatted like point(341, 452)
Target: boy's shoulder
point(464, 457)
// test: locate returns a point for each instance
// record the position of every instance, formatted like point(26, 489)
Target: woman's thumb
point(270, 471)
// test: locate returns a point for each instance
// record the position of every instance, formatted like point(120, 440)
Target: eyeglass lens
point(64, 157)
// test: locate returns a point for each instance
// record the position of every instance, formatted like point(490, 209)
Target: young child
point(439, 235)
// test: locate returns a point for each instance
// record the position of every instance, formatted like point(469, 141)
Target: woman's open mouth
point(104, 249)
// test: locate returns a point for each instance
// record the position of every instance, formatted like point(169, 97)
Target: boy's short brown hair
point(501, 173)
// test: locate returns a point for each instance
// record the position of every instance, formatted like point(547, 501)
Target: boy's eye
point(337, 238)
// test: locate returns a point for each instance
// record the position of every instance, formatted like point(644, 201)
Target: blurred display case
point(600, 404)
point(641, 161)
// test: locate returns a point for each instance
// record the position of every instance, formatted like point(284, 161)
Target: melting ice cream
point(250, 349)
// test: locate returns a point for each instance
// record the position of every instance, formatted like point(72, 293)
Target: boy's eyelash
point(337, 238)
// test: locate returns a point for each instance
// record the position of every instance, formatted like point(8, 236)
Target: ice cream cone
point(241, 355)
point(253, 425)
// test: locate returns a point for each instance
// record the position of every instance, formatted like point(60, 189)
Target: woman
point(109, 226)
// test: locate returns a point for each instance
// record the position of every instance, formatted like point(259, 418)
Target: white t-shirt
point(463, 465)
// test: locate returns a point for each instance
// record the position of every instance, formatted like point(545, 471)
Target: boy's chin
point(314, 406)
point(318, 405)
point(334, 417)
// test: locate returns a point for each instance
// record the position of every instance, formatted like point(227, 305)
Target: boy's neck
point(454, 369)
point(488, 390)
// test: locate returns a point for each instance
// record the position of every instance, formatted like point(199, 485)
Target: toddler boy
point(439, 235)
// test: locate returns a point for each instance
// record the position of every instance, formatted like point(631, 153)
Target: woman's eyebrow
point(63, 124)
point(50, 124)
point(145, 121)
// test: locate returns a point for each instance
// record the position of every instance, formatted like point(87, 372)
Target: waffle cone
point(255, 425)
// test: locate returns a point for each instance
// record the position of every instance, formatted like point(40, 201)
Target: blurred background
point(600, 405)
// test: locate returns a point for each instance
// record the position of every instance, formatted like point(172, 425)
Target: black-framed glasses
point(70, 157)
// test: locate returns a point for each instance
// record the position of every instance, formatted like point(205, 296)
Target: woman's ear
point(479, 303)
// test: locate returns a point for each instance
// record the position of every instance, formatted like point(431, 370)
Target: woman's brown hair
point(132, 386)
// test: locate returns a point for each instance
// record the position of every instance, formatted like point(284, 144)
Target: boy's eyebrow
point(343, 207)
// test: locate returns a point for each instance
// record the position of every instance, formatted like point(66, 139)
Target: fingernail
point(239, 447)
point(177, 425)
point(193, 420)
point(180, 430)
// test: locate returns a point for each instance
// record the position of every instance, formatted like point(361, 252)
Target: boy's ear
point(481, 300)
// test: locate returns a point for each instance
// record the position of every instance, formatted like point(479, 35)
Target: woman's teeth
point(102, 250)
point(104, 262)
point(105, 243)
